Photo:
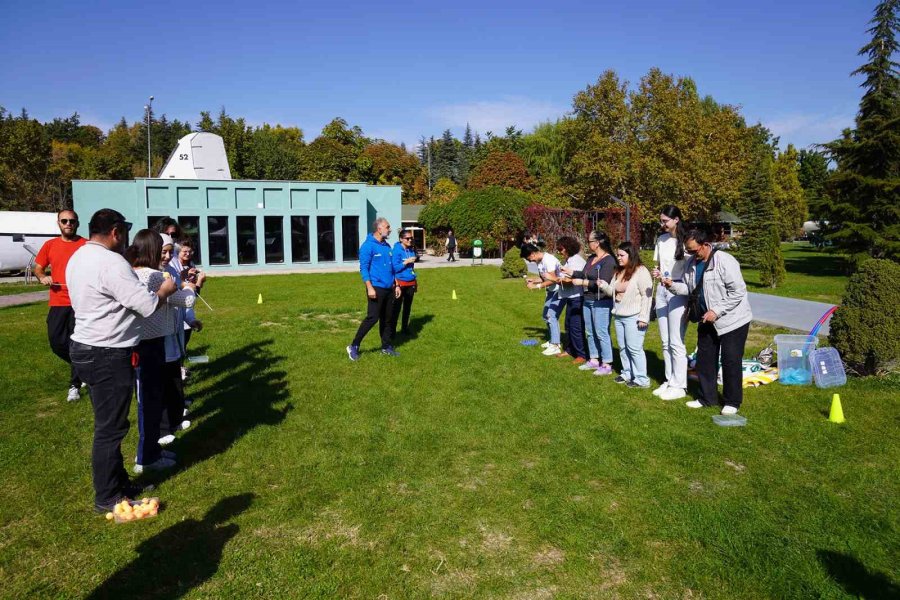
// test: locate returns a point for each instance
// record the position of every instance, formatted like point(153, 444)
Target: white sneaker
point(552, 350)
point(661, 389)
point(729, 410)
point(672, 393)
point(694, 404)
point(545, 344)
point(73, 395)
point(184, 425)
point(166, 440)
point(158, 465)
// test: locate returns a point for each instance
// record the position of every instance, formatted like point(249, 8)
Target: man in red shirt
point(55, 255)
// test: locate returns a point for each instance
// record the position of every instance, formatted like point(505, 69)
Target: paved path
point(26, 298)
point(789, 312)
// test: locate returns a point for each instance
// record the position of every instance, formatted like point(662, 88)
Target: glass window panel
point(274, 232)
point(246, 241)
point(350, 235)
point(190, 228)
point(217, 234)
point(325, 227)
point(300, 239)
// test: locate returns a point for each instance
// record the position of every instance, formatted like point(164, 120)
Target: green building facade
point(252, 225)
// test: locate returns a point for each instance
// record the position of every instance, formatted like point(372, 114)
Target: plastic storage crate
point(793, 358)
point(827, 367)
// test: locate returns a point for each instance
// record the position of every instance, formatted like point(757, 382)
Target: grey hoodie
point(723, 289)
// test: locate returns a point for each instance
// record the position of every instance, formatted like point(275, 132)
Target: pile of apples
point(126, 511)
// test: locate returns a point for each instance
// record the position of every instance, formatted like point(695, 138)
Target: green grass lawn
point(7, 289)
point(812, 275)
point(469, 467)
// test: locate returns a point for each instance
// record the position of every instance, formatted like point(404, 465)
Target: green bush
point(866, 328)
point(513, 265)
point(490, 214)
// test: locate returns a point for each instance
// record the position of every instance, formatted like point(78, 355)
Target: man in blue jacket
point(378, 274)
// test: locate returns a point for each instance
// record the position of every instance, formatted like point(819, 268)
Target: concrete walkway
point(26, 298)
point(789, 312)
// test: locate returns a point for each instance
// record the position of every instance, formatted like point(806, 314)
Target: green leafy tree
point(864, 212)
point(790, 201)
point(445, 158)
point(25, 180)
point(273, 152)
point(760, 244)
point(387, 164)
point(444, 192)
point(491, 214)
point(813, 176)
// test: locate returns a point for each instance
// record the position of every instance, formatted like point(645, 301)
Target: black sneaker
point(132, 491)
point(634, 384)
point(620, 379)
point(390, 351)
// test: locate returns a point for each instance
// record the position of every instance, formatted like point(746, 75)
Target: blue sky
point(405, 69)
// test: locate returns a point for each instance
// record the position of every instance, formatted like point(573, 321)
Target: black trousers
point(60, 325)
point(173, 398)
point(109, 374)
point(450, 256)
point(149, 382)
point(731, 345)
point(404, 303)
point(378, 310)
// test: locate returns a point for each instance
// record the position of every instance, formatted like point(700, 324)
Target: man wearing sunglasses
point(54, 256)
point(404, 259)
point(110, 303)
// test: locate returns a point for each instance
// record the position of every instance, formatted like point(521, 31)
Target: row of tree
point(654, 143)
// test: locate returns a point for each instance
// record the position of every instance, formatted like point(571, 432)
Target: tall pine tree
point(864, 215)
point(760, 243)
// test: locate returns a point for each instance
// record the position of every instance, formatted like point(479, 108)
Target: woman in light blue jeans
point(631, 288)
point(597, 308)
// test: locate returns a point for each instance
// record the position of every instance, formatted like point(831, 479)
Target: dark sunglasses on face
point(125, 223)
point(69, 221)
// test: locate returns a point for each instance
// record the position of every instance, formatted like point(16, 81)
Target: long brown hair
point(634, 261)
point(145, 250)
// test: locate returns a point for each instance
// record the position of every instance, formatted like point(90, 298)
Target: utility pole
point(148, 108)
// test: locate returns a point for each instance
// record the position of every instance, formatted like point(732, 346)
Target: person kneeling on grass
point(631, 288)
point(713, 281)
point(550, 272)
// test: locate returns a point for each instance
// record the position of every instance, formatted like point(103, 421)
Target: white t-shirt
point(549, 264)
point(576, 263)
point(664, 257)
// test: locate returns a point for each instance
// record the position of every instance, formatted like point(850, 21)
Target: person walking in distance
point(109, 303)
point(404, 260)
point(55, 255)
point(451, 246)
point(377, 272)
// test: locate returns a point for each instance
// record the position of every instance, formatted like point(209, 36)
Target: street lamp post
point(148, 108)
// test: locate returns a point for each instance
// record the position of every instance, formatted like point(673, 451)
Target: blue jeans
point(552, 309)
point(596, 325)
point(631, 350)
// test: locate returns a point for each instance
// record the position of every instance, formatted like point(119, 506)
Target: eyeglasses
point(125, 223)
point(69, 221)
point(406, 239)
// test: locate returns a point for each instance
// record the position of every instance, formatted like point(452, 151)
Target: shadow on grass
point(855, 578)
point(246, 387)
point(416, 324)
point(178, 559)
point(815, 264)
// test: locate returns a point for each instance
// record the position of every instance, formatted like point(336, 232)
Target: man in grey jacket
point(724, 321)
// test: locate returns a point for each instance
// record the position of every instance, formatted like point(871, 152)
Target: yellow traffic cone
point(837, 412)
point(259, 300)
point(453, 297)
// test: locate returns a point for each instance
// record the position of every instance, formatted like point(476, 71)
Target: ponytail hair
point(673, 212)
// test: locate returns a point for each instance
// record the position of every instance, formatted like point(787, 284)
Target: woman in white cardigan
point(631, 288)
